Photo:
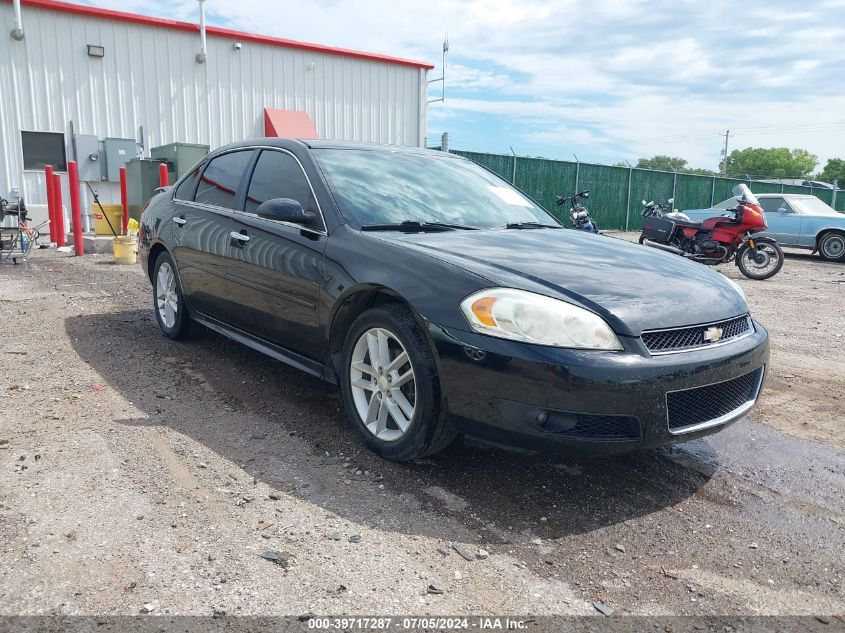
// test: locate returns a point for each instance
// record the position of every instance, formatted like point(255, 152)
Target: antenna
point(443, 77)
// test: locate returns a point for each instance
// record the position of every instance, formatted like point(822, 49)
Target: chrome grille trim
point(658, 342)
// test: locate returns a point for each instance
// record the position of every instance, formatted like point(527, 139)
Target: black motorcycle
point(578, 214)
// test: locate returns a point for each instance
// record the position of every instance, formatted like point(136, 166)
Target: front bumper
point(535, 397)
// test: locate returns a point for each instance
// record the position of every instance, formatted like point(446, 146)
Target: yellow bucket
point(115, 214)
point(125, 249)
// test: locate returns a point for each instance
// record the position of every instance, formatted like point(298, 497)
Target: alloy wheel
point(383, 384)
point(167, 301)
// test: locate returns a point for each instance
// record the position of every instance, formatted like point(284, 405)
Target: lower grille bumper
point(699, 408)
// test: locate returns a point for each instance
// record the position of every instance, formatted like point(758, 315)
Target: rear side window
point(186, 188)
point(773, 205)
point(278, 175)
point(219, 182)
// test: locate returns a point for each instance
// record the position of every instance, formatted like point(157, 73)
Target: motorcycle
point(660, 210)
point(721, 239)
point(578, 214)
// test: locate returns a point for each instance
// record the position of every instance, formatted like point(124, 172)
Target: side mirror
point(644, 203)
point(584, 194)
point(559, 200)
point(286, 210)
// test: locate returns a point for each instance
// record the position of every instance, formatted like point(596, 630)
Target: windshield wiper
point(414, 226)
point(531, 225)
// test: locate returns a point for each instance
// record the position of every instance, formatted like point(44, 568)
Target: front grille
point(692, 407)
point(589, 425)
point(686, 338)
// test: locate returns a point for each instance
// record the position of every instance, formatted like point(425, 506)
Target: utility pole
point(444, 142)
point(727, 135)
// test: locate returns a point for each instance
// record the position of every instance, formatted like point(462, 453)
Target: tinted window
point(43, 148)
point(278, 175)
point(374, 187)
point(186, 189)
point(219, 182)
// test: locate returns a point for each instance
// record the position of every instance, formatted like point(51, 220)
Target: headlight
point(532, 318)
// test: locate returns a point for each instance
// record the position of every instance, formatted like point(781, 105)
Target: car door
point(277, 264)
point(202, 227)
point(784, 222)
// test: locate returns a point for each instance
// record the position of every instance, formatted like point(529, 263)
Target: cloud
point(606, 79)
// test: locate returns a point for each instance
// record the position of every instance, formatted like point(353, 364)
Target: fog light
point(542, 417)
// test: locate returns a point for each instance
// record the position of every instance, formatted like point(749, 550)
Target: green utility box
point(142, 180)
point(183, 156)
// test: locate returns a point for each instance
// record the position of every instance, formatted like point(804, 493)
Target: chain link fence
point(616, 193)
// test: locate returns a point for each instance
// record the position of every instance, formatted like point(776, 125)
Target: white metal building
point(74, 70)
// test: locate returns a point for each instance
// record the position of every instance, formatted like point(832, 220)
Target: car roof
point(289, 143)
point(783, 195)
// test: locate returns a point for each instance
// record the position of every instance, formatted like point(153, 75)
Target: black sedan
point(445, 302)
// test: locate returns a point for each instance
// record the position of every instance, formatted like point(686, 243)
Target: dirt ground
point(142, 475)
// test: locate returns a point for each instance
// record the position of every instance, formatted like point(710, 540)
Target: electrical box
point(88, 157)
point(118, 151)
point(142, 180)
point(183, 156)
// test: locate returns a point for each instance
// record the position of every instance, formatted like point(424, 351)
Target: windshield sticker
point(509, 196)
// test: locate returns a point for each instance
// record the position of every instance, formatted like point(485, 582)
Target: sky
point(605, 80)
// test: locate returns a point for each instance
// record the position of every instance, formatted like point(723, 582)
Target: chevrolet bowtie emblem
point(713, 334)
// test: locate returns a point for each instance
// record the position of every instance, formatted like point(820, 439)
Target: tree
point(663, 163)
point(671, 163)
point(771, 162)
point(833, 170)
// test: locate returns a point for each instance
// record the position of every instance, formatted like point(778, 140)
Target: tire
point(168, 303)
point(832, 246)
point(380, 412)
point(642, 238)
point(746, 265)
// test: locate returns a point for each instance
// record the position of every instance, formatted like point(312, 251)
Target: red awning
point(288, 124)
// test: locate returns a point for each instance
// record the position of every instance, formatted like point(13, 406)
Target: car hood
point(633, 287)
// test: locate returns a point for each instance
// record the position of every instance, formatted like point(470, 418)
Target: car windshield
point(811, 206)
point(387, 187)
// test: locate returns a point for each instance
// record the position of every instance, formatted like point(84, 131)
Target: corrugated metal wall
point(149, 78)
point(610, 203)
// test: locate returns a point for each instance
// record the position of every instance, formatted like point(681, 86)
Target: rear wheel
point(168, 302)
point(391, 389)
point(832, 246)
point(761, 263)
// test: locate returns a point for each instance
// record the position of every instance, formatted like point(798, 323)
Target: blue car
point(799, 221)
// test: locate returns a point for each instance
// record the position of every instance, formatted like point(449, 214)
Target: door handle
point(180, 221)
point(241, 237)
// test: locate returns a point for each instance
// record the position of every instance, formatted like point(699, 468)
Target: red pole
point(75, 208)
point(60, 215)
point(124, 198)
point(48, 175)
point(163, 180)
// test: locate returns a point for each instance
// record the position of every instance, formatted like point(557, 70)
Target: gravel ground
point(138, 471)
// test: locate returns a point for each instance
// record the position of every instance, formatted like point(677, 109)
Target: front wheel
point(390, 384)
point(761, 263)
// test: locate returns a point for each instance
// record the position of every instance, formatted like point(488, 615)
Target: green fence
point(616, 193)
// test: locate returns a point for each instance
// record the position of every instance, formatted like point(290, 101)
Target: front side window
point(219, 182)
point(386, 187)
point(278, 175)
